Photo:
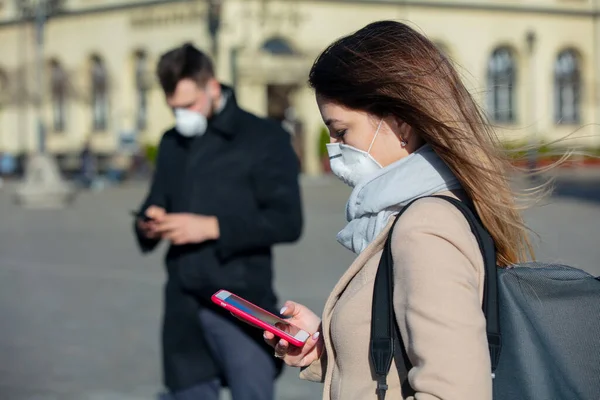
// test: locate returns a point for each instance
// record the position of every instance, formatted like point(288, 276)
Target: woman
point(403, 126)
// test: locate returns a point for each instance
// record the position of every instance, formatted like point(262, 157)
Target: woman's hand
point(304, 319)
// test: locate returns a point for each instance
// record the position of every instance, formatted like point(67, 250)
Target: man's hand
point(185, 228)
point(148, 228)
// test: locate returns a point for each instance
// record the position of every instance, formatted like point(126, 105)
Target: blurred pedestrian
point(1, 169)
point(225, 190)
point(8, 165)
point(87, 165)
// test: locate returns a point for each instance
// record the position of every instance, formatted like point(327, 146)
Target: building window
point(58, 88)
point(99, 95)
point(567, 88)
point(501, 86)
point(278, 46)
point(141, 88)
point(4, 95)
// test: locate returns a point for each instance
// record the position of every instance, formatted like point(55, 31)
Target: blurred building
point(534, 64)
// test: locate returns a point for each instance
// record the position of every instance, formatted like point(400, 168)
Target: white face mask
point(189, 123)
point(350, 164)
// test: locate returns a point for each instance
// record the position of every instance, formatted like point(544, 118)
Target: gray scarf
point(384, 193)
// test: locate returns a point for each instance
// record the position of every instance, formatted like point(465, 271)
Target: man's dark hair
point(185, 62)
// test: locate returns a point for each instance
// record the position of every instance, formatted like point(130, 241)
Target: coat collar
point(373, 248)
point(224, 122)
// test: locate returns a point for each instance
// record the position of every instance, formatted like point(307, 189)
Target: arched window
point(99, 95)
point(501, 86)
point(141, 89)
point(3, 88)
point(58, 89)
point(567, 88)
point(278, 46)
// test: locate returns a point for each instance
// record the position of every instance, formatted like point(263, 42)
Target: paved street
point(80, 308)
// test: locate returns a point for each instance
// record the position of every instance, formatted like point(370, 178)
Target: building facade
point(533, 64)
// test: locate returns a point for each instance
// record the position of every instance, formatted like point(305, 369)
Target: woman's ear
point(407, 132)
point(410, 140)
point(403, 130)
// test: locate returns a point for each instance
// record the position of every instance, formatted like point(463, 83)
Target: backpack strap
point(386, 342)
point(382, 345)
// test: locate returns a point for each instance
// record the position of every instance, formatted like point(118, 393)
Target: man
point(224, 191)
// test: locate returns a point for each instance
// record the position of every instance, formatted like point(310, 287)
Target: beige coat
point(438, 289)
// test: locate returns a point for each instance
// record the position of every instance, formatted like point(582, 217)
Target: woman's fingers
point(281, 348)
point(294, 356)
point(282, 345)
point(289, 309)
point(271, 339)
point(268, 335)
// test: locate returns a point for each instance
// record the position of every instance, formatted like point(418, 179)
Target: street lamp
point(531, 39)
point(39, 11)
point(214, 24)
point(43, 186)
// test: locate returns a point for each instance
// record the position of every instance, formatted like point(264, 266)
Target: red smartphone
point(259, 317)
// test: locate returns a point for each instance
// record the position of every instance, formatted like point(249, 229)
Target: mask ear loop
point(375, 137)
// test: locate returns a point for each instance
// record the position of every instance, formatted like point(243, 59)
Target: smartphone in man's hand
point(141, 216)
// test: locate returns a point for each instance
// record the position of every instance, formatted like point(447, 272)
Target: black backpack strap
point(385, 339)
point(386, 342)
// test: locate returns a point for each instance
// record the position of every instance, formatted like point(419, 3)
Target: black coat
point(244, 171)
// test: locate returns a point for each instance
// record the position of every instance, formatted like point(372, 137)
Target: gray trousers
point(249, 370)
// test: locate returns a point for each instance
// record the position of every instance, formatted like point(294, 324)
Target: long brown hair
point(388, 68)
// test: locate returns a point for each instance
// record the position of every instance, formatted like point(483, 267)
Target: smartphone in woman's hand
point(260, 318)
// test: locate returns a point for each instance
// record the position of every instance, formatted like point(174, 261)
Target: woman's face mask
point(350, 164)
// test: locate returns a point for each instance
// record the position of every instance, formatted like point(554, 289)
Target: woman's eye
point(340, 134)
